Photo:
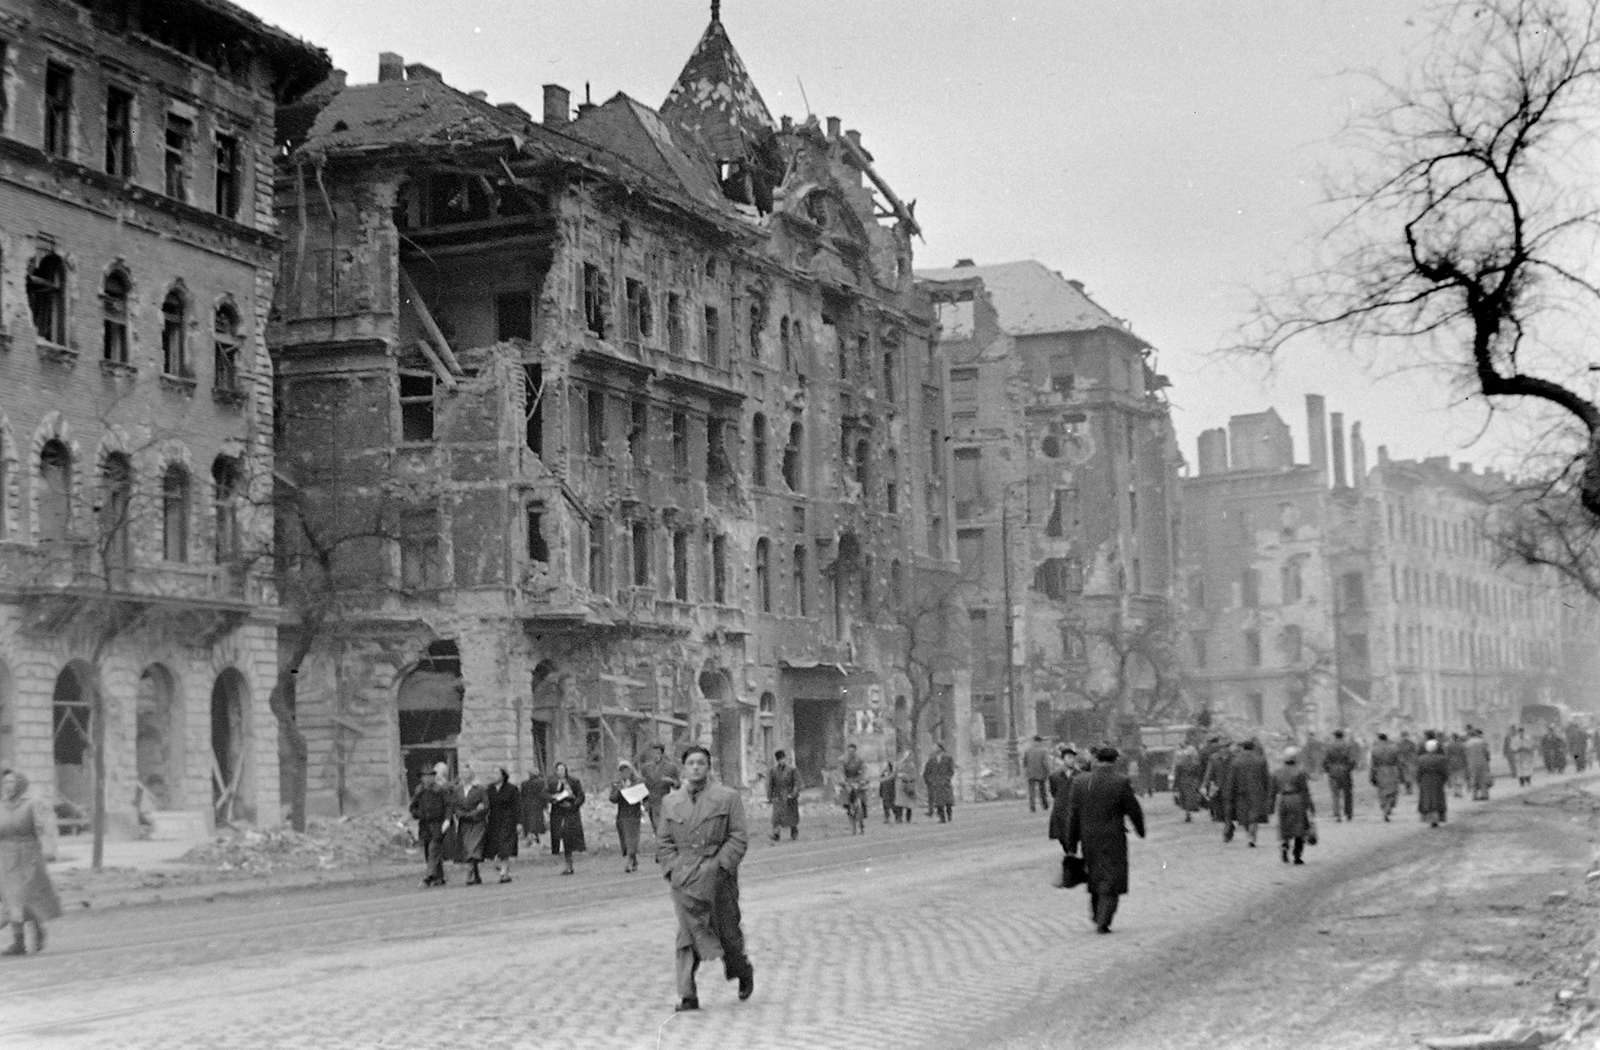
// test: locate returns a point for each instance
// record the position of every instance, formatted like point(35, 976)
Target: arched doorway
point(158, 737)
point(429, 710)
point(72, 708)
point(231, 794)
point(727, 730)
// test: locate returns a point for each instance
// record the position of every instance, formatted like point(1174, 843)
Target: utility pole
point(1011, 631)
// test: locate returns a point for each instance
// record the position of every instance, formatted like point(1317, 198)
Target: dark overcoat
point(534, 802)
point(628, 816)
point(1100, 806)
point(1215, 776)
point(1186, 773)
point(470, 808)
point(1385, 771)
point(1478, 775)
point(1291, 797)
point(505, 813)
point(1433, 776)
point(1247, 788)
point(939, 774)
point(566, 817)
point(1408, 750)
point(783, 791)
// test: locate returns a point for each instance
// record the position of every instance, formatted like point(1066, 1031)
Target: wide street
point(914, 936)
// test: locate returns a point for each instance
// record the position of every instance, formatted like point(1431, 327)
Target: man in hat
point(703, 839)
point(783, 792)
point(1099, 807)
point(430, 806)
point(1340, 763)
point(1036, 767)
point(1247, 791)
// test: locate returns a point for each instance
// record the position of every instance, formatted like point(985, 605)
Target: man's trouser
point(432, 850)
point(1103, 908)
point(723, 913)
point(1043, 789)
point(1339, 787)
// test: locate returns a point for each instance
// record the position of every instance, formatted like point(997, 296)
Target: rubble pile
point(326, 844)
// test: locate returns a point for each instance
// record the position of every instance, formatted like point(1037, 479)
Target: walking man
point(1478, 775)
point(1408, 750)
point(783, 792)
point(703, 839)
point(939, 774)
point(660, 775)
point(430, 805)
point(1385, 774)
point(1036, 767)
point(1340, 762)
point(1099, 807)
point(1248, 790)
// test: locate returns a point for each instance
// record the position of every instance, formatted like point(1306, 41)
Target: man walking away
point(1408, 750)
point(1098, 806)
point(1578, 746)
point(703, 839)
point(939, 775)
point(1248, 788)
point(1340, 762)
point(1216, 772)
point(1433, 773)
point(1455, 752)
point(1385, 774)
point(1291, 797)
point(430, 806)
point(783, 792)
point(1036, 767)
point(1478, 774)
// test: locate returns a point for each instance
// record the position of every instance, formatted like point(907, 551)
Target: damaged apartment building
point(1064, 482)
point(599, 430)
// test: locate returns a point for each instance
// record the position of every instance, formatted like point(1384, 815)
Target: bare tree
point(1123, 651)
point(1467, 232)
point(1544, 522)
point(926, 623)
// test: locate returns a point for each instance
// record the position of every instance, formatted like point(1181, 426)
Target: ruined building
point(1065, 484)
point(601, 430)
point(1373, 599)
point(137, 251)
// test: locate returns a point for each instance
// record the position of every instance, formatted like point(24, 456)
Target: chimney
point(854, 137)
point(588, 102)
point(515, 110)
point(1383, 454)
point(418, 71)
point(557, 104)
point(787, 124)
point(962, 264)
point(390, 67)
point(1214, 451)
point(833, 127)
point(1318, 434)
point(1358, 457)
point(1336, 430)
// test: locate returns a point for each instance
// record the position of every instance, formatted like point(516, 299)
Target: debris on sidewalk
point(327, 843)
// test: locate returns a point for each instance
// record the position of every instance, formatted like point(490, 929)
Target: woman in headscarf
point(566, 815)
point(505, 814)
point(471, 816)
point(1433, 779)
point(1291, 798)
point(628, 814)
point(27, 841)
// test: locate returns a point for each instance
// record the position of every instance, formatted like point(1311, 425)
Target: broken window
point(758, 321)
point(675, 324)
point(57, 110)
point(226, 482)
point(863, 467)
point(513, 316)
point(119, 133)
point(897, 584)
point(799, 581)
point(595, 293)
point(798, 340)
point(711, 349)
point(416, 406)
point(114, 310)
point(533, 407)
point(719, 569)
point(968, 483)
point(639, 434)
point(55, 500)
point(47, 299)
point(1054, 578)
point(640, 319)
point(179, 133)
point(783, 344)
point(970, 552)
point(793, 459)
point(229, 177)
point(174, 336)
point(888, 376)
point(1063, 382)
point(640, 534)
point(891, 487)
point(225, 349)
point(538, 547)
point(680, 442)
point(680, 565)
point(758, 450)
point(175, 514)
point(718, 466)
point(421, 565)
point(763, 575)
point(595, 418)
point(597, 556)
point(935, 453)
point(1292, 580)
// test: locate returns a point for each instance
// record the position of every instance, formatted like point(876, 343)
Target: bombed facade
point(601, 430)
point(1064, 485)
point(137, 250)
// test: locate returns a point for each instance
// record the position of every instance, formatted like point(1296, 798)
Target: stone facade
point(613, 429)
point(137, 250)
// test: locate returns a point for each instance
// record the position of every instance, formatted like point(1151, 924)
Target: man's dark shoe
point(685, 1005)
point(1102, 929)
point(747, 982)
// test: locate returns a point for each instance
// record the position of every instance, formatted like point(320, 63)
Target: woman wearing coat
point(534, 803)
point(27, 841)
point(566, 815)
point(886, 793)
point(1291, 797)
point(471, 815)
point(1522, 751)
point(504, 817)
point(628, 815)
point(905, 785)
point(1433, 780)
point(1186, 773)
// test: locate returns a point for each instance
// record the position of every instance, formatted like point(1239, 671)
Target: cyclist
point(855, 783)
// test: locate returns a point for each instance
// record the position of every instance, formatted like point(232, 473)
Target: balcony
point(71, 566)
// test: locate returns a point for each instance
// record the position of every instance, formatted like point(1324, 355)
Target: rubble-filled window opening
point(47, 298)
point(175, 336)
point(597, 556)
point(594, 299)
point(229, 177)
point(175, 514)
point(891, 485)
point(421, 564)
point(57, 110)
point(533, 407)
point(114, 317)
point(897, 584)
point(180, 131)
point(763, 575)
point(119, 133)
point(1250, 588)
point(513, 316)
point(800, 588)
point(793, 459)
point(711, 349)
point(226, 481)
point(1252, 648)
point(640, 535)
point(640, 319)
point(675, 324)
point(680, 442)
point(888, 376)
point(595, 418)
point(680, 565)
point(639, 434)
point(225, 349)
point(55, 501)
point(538, 546)
point(416, 406)
point(116, 476)
point(758, 450)
point(719, 570)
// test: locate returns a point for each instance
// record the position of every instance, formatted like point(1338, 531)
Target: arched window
point(225, 485)
point(174, 351)
point(47, 298)
point(764, 575)
point(114, 311)
point(793, 459)
point(800, 591)
point(55, 501)
point(116, 477)
point(225, 349)
point(175, 514)
point(758, 450)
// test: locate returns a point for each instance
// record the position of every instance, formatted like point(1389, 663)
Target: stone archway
point(158, 737)
point(429, 711)
point(71, 718)
point(232, 790)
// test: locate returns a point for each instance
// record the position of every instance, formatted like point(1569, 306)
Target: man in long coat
point(1578, 746)
point(1408, 750)
point(702, 840)
point(1099, 807)
point(1186, 774)
point(1216, 772)
point(939, 773)
point(1478, 774)
point(660, 775)
point(1247, 789)
point(1036, 767)
point(783, 792)
point(1340, 762)
point(1385, 773)
point(1433, 774)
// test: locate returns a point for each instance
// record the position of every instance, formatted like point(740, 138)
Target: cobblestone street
point(919, 936)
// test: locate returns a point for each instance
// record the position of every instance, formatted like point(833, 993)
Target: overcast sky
point(1168, 153)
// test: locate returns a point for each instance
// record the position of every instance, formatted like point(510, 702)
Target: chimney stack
point(854, 137)
point(1336, 431)
point(1383, 454)
point(390, 67)
point(1214, 451)
point(557, 104)
point(833, 127)
point(1317, 432)
point(1358, 457)
point(419, 71)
